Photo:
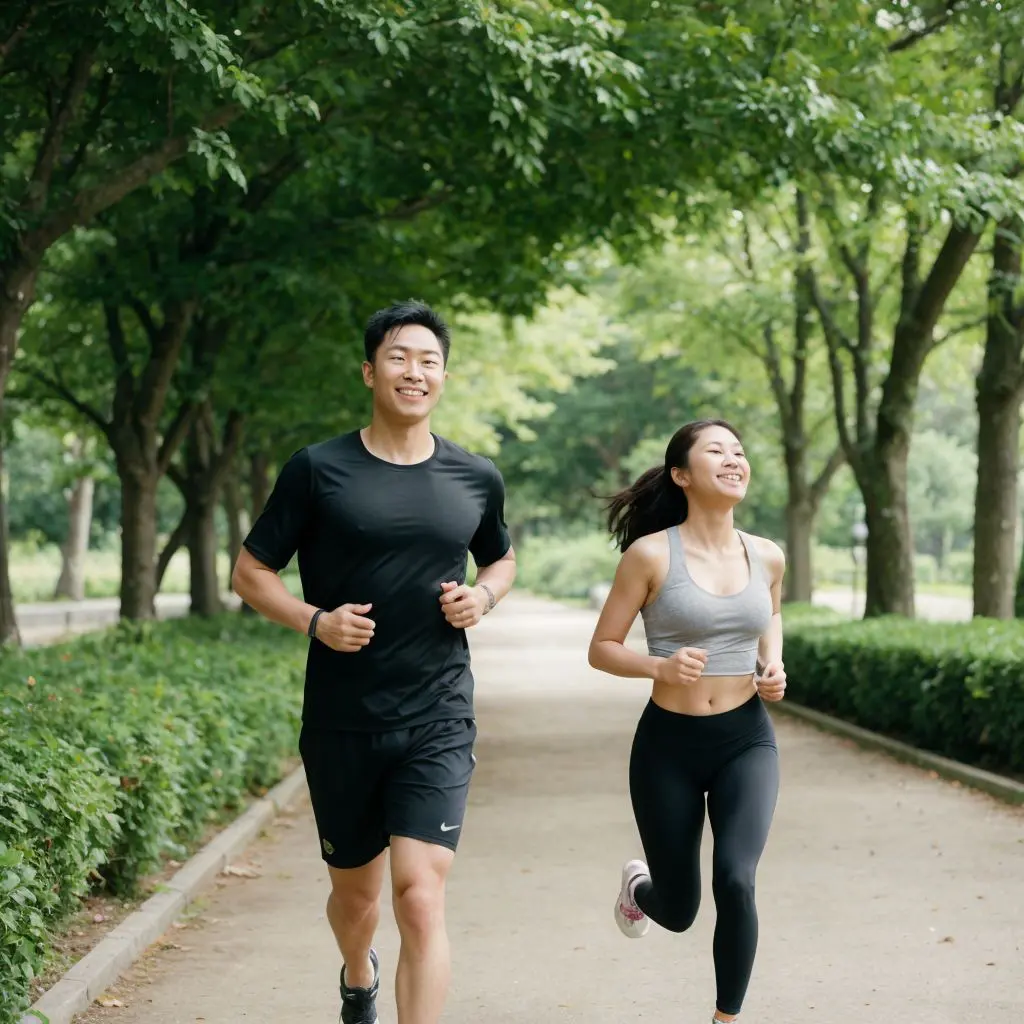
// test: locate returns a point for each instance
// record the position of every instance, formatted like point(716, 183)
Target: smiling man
point(382, 520)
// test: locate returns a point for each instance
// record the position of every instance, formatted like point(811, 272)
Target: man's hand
point(683, 667)
point(463, 606)
point(772, 684)
point(346, 629)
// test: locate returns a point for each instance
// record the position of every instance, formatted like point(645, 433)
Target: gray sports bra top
point(728, 628)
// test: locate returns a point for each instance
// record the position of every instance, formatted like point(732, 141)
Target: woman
point(709, 596)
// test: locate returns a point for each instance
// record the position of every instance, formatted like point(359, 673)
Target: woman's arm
point(772, 684)
point(629, 593)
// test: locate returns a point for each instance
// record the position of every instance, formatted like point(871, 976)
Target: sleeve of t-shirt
point(274, 537)
point(491, 540)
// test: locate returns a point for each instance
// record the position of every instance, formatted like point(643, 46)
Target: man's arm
point(497, 578)
point(344, 629)
point(263, 589)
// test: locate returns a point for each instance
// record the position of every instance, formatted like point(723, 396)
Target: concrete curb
point(118, 950)
point(995, 785)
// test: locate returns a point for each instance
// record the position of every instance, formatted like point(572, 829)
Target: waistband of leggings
point(750, 716)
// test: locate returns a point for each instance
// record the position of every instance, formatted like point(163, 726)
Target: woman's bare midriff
point(710, 695)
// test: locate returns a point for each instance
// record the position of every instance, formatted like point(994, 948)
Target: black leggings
point(733, 758)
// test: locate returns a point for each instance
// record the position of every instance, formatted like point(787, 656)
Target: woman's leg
point(668, 803)
point(741, 803)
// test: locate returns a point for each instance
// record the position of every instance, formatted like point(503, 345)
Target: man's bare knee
point(419, 907)
point(418, 874)
point(355, 894)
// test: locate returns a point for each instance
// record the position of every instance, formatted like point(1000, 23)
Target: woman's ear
point(680, 477)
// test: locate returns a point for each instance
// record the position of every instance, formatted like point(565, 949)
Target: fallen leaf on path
point(948, 938)
point(110, 1002)
point(242, 872)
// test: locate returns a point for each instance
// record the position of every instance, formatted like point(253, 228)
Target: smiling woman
point(709, 597)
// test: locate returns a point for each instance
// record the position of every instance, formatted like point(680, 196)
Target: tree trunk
point(799, 537)
point(138, 542)
point(17, 290)
point(8, 623)
point(201, 490)
point(995, 509)
point(999, 400)
point(71, 584)
point(890, 543)
point(259, 482)
point(233, 513)
point(174, 544)
point(799, 522)
point(204, 587)
point(1018, 601)
point(259, 491)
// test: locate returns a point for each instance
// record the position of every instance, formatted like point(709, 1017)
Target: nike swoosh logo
point(449, 828)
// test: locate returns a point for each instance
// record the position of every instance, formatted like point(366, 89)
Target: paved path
point(884, 894)
point(50, 621)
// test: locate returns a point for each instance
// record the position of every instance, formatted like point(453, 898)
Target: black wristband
point(311, 631)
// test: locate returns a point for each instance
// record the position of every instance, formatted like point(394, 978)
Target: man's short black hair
point(404, 314)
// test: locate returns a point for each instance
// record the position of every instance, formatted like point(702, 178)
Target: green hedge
point(956, 689)
point(120, 748)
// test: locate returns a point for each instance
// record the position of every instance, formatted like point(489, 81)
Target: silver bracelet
point(491, 602)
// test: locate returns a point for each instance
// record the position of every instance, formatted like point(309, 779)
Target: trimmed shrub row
point(119, 749)
point(956, 689)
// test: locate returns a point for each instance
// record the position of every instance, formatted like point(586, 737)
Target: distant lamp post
point(859, 534)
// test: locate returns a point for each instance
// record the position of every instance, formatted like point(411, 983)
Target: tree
point(735, 297)
point(1000, 391)
point(145, 86)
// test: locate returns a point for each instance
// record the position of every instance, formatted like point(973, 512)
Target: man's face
point(407, 374)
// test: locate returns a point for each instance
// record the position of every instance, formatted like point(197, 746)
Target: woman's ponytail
point(651, 504)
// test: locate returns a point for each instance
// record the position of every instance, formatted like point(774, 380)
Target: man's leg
point(426, 808)
point(418, 874)
point(353, 910)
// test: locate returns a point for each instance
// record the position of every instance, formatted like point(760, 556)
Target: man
point(382, 519)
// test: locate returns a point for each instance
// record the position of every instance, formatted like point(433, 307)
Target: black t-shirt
point(372, 532)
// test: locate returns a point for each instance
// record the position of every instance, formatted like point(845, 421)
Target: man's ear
point(368, 374)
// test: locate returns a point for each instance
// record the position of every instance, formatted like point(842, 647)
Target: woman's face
point(718, 471)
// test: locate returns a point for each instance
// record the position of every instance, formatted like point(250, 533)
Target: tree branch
point(833, 338)
point(776, 380)
point(91, 201)
point(823, 480)
point(91, 127)
point(156, 378)
point(173, 545)
point(18, 33)
point(143, 315)
point(175, 435)
point(124, 379)
point(177, 477)
point(65, 394)
point(938, 23)
point(53, 138)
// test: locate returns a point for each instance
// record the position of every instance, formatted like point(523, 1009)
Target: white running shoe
point(632, 921)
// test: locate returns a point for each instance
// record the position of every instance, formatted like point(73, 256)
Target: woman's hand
point(682, 668)
point(772, 684)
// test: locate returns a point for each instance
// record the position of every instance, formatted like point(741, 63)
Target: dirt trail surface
point(884, 894)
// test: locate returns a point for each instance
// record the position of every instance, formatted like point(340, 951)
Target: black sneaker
point(359, 1005)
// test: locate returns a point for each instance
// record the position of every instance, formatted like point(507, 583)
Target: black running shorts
point(367, 787)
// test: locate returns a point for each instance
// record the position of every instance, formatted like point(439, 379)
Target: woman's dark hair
point(404, 314)
point(654, 502)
